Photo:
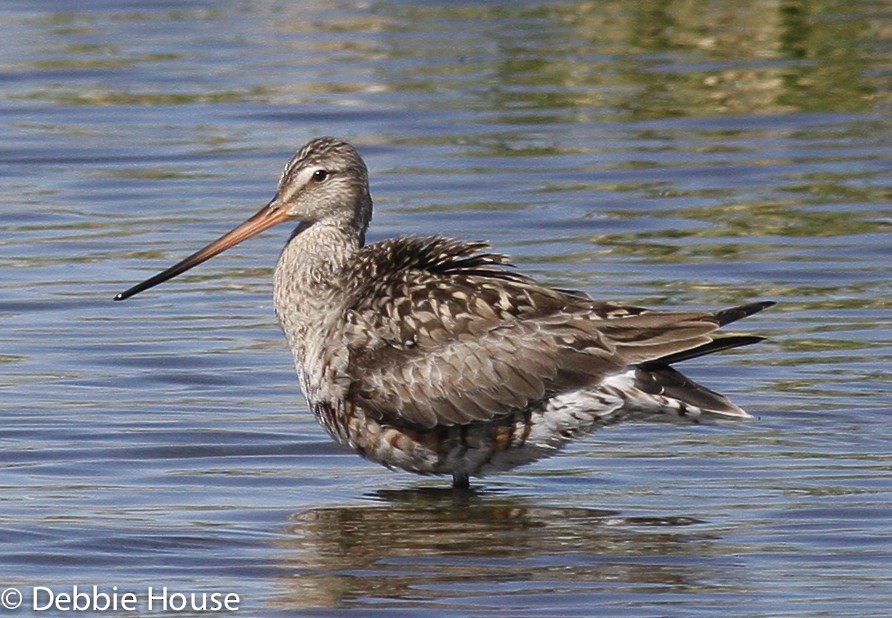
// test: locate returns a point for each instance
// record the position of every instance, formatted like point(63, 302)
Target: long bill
point(266, 217)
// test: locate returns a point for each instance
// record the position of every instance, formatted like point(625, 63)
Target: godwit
point(432, 355)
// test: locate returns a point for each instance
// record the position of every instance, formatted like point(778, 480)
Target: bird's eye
point(320, 175)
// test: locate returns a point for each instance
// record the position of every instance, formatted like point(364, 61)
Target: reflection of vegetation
point(579, 60)
point(109, 97)
point(784, 220)
point(788, 219)
point(653, 60)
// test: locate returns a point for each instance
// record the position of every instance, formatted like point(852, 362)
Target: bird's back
point(441, 332)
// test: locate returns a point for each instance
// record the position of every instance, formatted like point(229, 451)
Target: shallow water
point(694, 155)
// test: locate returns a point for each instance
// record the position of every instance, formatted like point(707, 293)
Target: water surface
point(670, 154)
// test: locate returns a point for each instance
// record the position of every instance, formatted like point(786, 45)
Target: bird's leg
point(460, 480)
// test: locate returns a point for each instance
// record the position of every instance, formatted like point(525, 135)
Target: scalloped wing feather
point(442, 334)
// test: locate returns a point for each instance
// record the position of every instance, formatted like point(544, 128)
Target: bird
point(437, 356)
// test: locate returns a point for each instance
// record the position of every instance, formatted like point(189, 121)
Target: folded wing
point(453, 336)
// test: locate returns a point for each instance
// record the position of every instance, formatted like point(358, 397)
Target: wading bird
point(433, 355)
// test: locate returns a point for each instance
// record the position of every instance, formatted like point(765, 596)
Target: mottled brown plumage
point(435, 356)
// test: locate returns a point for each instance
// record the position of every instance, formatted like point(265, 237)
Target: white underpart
point(571, 414)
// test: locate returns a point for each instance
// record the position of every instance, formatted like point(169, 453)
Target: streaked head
point(326, 181)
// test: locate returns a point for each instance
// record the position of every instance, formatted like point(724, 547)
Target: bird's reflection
point(426, 546)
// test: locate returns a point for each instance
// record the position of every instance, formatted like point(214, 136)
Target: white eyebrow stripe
point(299, 182)
point(304, 175)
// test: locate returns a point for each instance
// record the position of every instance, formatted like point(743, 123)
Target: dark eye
point(320, 175)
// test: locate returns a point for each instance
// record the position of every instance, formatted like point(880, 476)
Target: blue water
point(689, 155)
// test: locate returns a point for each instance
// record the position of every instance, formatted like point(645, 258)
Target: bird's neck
point(308, 284)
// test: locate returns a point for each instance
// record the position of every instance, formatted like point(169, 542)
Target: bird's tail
point(658, 379)
point(683, 397)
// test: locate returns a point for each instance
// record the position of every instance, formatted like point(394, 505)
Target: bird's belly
point(474, 449)
point(442, 449)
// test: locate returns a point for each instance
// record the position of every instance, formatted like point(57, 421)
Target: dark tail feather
point(726, 316)
point(723, 317)
point(716, 345)
point(667, 382)
point(657, 377)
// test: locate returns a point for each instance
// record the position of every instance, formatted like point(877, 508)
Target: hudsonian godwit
point(433, 355)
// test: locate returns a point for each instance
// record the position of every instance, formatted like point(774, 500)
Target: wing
point(444, 351)
point(446, 345)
